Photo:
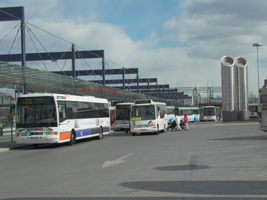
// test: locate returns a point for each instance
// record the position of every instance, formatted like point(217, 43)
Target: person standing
point(186, 121)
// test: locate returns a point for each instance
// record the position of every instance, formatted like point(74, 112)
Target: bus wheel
point(72, 138)
point(157, 130)
point(101, 136)
point(133, 134)
point(164, 129)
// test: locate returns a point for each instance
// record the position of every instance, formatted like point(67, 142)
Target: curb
point(12, 148)
point(4, 149)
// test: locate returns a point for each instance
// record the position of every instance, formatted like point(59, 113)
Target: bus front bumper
point(144, 130)
point(36, 140)
point(120, 126)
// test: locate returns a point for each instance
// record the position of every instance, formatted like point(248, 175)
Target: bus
point(148, 116)
point(170, 114)
point(263, 107)
point(122, 118)
point(207, 113)
point(45, 118)
point(191, 112)
point(253, 110)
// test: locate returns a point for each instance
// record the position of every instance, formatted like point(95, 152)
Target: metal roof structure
point(15, 77)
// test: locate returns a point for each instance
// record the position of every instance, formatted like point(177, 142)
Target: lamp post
point(258, 45)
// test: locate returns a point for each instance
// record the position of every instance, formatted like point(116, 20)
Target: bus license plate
point(142, 129)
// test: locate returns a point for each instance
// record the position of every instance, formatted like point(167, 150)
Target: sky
point(179, 42)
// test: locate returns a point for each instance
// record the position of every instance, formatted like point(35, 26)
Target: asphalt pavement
point(7, 141)
point(213, 160)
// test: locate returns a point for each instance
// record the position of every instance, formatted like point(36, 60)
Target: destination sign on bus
point(143, 101)
point(122, 106)
point(35, 101)
point(135, 118)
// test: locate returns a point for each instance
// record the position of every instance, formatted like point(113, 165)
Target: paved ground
point(214, 161)
point(7, 141)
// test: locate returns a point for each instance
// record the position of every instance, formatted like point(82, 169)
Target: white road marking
point(115, 162)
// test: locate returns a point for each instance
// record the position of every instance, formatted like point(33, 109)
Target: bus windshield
point(36, 112)
point(209, 111)
point(144, 112)
point(123, 112)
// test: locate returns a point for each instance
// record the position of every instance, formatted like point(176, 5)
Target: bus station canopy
point(15, 77)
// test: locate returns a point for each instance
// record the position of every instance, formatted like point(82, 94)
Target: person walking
point(177, 120)
point(186, 121)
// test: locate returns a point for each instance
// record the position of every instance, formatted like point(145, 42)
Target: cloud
point(200, 34)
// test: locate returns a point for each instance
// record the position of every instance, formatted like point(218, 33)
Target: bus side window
point(62, 112)
point(69, 113)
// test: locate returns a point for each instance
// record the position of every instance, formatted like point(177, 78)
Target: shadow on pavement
point(202, 187)
point(264, 137)
point(182, 167)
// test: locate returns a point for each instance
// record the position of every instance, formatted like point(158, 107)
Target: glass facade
point(15, 77)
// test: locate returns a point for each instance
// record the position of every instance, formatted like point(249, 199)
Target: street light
point(258, 45)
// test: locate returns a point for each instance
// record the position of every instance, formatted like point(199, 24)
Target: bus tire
point(157, 132)
point(72, 138)
point(133, 134)
point(101, 135)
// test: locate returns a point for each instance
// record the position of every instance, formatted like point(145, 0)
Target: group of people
point(179, 124)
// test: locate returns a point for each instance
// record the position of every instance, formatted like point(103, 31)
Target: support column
point(157, 91)
point(137, 81)
point(103, 71)
point(23, 51)
point(148, 89)
point(123, 77)
point(73, 61)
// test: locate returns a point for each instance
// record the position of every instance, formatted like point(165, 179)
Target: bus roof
point(188, 108)
point(66, 97)
point(146, 102)
point(127, 103)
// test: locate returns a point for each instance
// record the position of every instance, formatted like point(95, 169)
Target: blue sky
point(138, 18)
point(180, 42)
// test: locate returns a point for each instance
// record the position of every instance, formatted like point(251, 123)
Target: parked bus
point(207, 113)
point(170, 114)
point(122, 119)
point(263, 107)
point(148, 116)
point(191, 112)
point(57, 118)
point(253, 110)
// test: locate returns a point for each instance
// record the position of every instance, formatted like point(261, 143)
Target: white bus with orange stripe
point(44, 118)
